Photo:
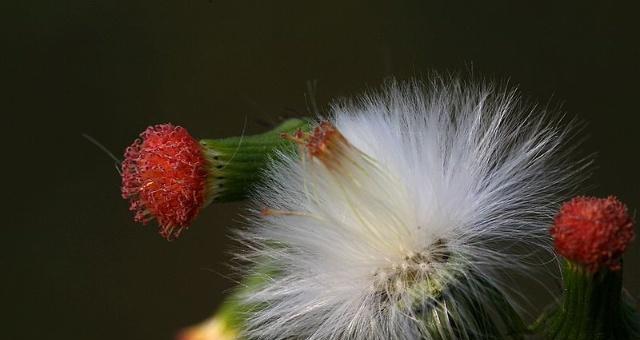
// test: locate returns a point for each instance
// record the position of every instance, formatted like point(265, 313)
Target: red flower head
point(164, 175)
point(593, 232)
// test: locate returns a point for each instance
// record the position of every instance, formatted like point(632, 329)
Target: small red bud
point(593, 232)
point(164, 176)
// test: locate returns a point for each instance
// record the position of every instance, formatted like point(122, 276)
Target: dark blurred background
point(77, 267)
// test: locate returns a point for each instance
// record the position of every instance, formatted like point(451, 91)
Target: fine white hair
point(412, 234)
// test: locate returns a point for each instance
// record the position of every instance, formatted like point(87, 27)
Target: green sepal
point(594, 307)
point(236, 162)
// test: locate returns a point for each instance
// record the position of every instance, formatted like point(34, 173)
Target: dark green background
point(77, 267)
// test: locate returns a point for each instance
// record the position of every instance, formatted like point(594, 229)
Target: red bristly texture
point(320, 139)
point(164, 175)
point(325, 143)
point(328, 145)
point(593, 232)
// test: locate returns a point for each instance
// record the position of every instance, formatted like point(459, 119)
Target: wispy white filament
point(438, 187)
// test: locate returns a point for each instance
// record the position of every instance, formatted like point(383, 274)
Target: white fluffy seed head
point(399, 216)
